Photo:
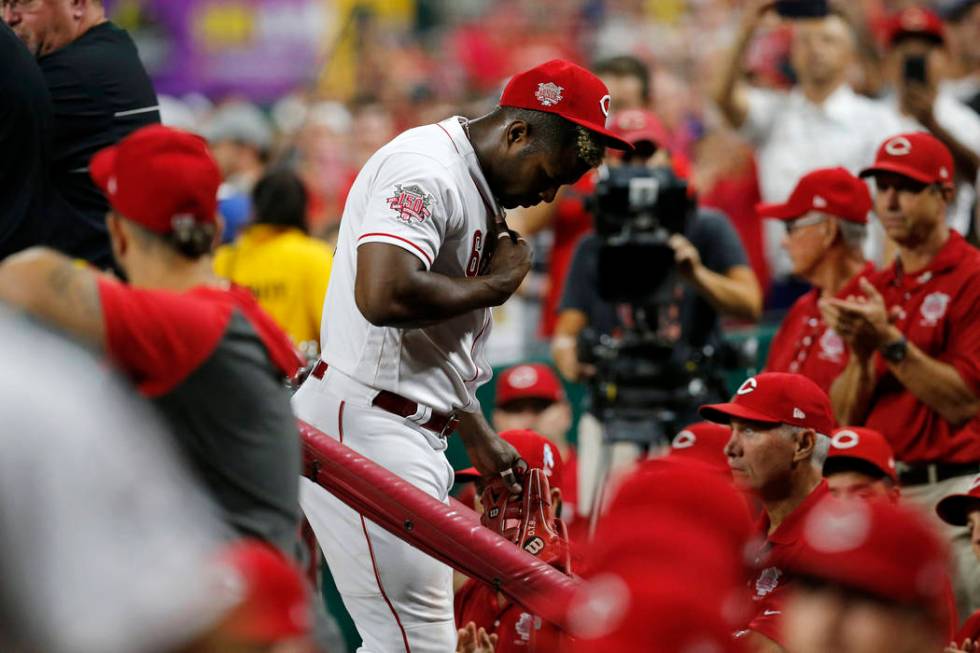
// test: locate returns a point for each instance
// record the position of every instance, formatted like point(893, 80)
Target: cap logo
point(798, 414)
point(523, 377)
point(845, 440)
point(748, 386)
point(914, 19)
point(834, 527)
point(604, 104)
point(549, 93)
point(898, 146)
point(943, 172)
point(684, 440)
point(819, 202)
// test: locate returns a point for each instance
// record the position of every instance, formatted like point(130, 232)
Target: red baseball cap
point(274, 603)
point(956, 508)
point(876, 547)
point(866, 445)
point(704, 442)
point(917, 155)
point(565, 89)
point(159, 177)
point(536, 450)
point(529, 381)
point(776, 398)
point(915, 21)
point(829, 190)
point(638, 125)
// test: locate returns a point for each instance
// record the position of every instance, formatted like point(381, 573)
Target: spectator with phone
point(916, 66)
point(819, 123)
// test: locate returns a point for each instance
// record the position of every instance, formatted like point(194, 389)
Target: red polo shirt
point(805, 345)
point(770, 586)
point(941, 306)
point(517, 630)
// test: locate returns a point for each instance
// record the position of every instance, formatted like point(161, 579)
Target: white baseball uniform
point(425, 193)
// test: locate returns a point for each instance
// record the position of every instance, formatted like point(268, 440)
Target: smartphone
point(914, 69)
point(802, 8)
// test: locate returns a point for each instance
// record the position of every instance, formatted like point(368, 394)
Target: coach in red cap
point(914, 337)
point(826, 220)
point(870, 576)
point(780, 427)
point(203, 352)
point(861, 464)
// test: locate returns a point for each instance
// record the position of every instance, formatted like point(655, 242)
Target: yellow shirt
point(287, 271)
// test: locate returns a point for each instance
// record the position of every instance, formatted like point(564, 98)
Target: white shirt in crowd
point(425, 193)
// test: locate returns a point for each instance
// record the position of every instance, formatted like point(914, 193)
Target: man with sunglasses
point(826, 219)
point(913, 330)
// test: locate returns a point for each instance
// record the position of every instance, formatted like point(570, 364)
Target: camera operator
point(714, 274)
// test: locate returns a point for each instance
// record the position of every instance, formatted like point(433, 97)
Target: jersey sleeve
point(411, 205)
point(156, 337)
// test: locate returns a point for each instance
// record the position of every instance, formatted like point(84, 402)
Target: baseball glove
point(528, 519)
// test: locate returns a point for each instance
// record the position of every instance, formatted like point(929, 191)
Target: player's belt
point(922, 473)
point(396, 404)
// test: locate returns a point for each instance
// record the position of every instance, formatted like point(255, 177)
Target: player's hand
point(968, 646)
point(493, 457)
point(686, 255)
point(753, 13)
point(511, 261)
point(918, 100)
point(472, 640)
point(865, 323)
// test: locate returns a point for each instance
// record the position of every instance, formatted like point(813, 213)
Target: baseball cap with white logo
point(916, 155)
point(536, 450)
point(955, 509)
point(867, 446)
point(829, 190)
point(528, 381)
point(776, 398)
point(568, 90)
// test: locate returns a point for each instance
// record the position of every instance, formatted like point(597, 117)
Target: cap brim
point(723, 414)
point(612, 140)
point(467, 475)
point(898, 169)
point(783, 212)
point(955, 508)
point(101, 167)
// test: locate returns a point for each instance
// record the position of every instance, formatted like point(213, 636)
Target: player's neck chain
point(465, 124)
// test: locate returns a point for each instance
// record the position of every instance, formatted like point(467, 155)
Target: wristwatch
point(894, 352)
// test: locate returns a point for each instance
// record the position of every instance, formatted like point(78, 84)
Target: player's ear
point(517, 133)
point(805, 444)
point(117, 235)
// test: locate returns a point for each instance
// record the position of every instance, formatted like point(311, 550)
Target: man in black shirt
point(100, 93)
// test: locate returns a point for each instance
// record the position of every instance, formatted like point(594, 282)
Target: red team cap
point(834, 191)
point(565, 89)
point(531, 381)
point(704, 442)
point(916, 155)
point(638, 125)
point(776, 398)
point(915, 21)
point(955, 509)
point(274, 603)
point(875, 547)
point(866, 445)
point(160, 178)
point(536, 450)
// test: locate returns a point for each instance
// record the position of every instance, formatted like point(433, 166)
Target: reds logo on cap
point(549, 93)
point(684, 440)
point(898, 146)
point(819, 202)
point(604, 104)
point(523, 377)
point(748, 386)
point(845, 440)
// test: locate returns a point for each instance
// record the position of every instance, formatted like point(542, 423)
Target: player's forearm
point(850, 393)
point(739, 297)
point(727, 94)
point(424, 298)
point(967, 161)
point(937, 385)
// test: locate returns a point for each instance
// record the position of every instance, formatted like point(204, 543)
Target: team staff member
point(914, 370)
point(780, 426)
point(208, 357)
point(861, 464)
point(423, 253)
point(285, 269)
point(100, 93)
point(826, 220)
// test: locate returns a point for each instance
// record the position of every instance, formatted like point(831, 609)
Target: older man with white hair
point(780, 427)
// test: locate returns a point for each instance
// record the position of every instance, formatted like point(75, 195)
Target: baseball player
point(423, 252)
point(780, 427)
point(861, 464)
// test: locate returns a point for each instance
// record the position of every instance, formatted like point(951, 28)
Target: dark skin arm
point(53, 288)
point(491, 455)
point(394, 289)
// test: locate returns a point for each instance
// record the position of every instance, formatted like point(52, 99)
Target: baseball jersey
point(214, 364)
point(941, 316)
point(805, 345)
point(423, 192)
point(517, 630)
point(770, 586)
